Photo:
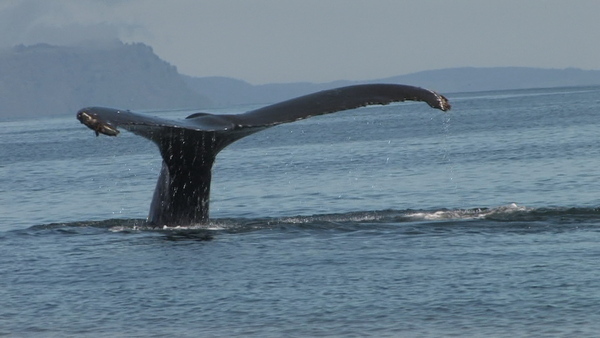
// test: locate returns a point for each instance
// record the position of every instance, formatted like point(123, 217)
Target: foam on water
point(487, 217)
point(460, 214)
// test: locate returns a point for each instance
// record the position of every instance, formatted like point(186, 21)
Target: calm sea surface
point(396, 221)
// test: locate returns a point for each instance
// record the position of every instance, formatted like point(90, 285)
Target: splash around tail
point(511, 216)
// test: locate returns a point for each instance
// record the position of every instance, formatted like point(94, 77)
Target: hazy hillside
point(43, 80)
point(227, 91)
point(50, 80)
point(470, 79)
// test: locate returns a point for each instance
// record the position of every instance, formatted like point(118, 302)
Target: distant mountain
point(227, 91)
point(50, 80)
point(42, 80)
point(471, 79)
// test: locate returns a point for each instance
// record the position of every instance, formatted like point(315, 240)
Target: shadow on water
point(504, 219)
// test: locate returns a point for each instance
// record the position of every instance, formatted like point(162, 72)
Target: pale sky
point(264, 41)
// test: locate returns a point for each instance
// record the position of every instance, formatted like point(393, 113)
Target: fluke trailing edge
point(189, 146)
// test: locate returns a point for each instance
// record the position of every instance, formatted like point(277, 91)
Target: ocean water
point(396, 220)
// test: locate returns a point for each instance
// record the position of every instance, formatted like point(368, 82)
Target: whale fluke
point(189, 146)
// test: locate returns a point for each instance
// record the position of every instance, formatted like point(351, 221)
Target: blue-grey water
point(382, 221)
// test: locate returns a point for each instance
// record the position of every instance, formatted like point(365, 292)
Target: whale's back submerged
point(189, 147)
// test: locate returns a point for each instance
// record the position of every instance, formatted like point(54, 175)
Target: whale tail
point(189, 147)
